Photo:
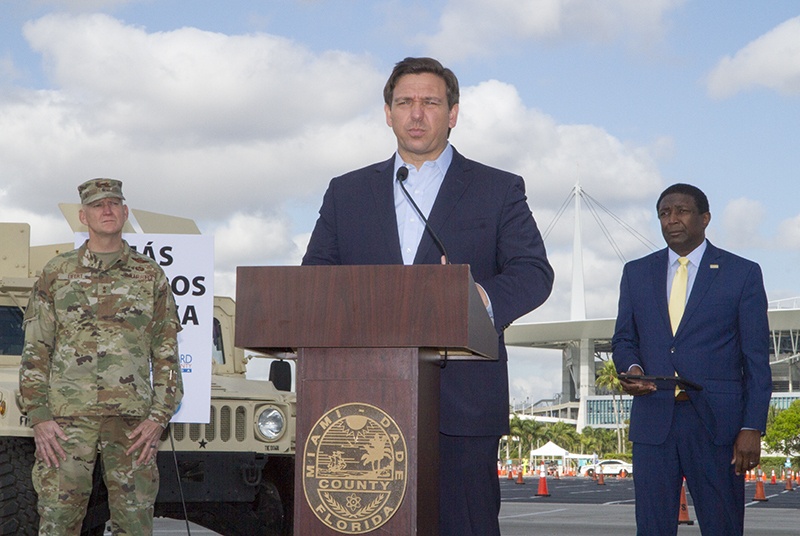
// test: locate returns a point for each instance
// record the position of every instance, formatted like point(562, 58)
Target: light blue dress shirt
point(423, 185)
point(694, 262)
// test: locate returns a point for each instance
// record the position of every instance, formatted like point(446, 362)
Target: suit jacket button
point(672, 350)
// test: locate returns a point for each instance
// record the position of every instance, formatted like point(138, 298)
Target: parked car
point(607, 467)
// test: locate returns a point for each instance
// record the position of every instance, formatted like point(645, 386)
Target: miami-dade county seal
point(355, 468)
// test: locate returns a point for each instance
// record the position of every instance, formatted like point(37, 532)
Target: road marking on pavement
point(621, 502)
point(535, 513)
point(759, 502)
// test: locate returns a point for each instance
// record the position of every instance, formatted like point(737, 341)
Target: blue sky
point(237, 114)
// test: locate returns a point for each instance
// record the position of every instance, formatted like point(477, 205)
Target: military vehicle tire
point(18, 515)
point(262, 517)
point(268, 509)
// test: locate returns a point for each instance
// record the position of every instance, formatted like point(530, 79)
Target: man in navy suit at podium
point(480, 217)
point(698, 312)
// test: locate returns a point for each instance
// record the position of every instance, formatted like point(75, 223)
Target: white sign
point(188, 261)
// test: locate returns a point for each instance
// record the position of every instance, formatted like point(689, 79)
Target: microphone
point(402, 175)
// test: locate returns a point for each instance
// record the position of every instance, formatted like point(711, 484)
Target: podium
point(370, 342)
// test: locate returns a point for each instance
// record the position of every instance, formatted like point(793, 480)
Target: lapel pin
point(714, 266)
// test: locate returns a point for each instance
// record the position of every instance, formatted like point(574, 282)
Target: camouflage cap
point(97, 189)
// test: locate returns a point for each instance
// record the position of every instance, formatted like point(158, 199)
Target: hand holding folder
point(663, 382)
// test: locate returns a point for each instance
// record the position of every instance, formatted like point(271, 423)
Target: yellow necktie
point(677, 300)
point(677, 296)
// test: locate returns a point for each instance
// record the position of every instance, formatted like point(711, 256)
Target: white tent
point(549, 450)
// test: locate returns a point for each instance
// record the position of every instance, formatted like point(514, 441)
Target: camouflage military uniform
point(92, 334)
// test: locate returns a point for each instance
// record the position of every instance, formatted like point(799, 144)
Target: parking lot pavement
point(578, 506)
point(174, 527)
point(554, 519)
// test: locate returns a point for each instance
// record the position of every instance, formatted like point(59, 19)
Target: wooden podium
point(369, 342)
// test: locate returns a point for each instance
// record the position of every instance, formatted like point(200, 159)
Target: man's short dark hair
point(419, 66)
point(696, 193)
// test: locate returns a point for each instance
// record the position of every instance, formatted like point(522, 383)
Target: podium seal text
point(355, 468)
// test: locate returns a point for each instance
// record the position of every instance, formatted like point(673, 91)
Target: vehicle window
point(217, 348)
point(12, 337)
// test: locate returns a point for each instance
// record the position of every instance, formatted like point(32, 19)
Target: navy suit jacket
point(482, 217)
point(722, 344)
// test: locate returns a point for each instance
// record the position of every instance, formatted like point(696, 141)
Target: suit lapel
point(455, 182)
point(702, 282)
point(659, 271)
point(383, 194)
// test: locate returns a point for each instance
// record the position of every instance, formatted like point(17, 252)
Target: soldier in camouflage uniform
point(100, 320)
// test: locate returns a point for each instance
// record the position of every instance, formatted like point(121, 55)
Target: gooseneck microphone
point(402, 175)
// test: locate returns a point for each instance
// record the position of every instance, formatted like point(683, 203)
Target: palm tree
point(564, 435)
point(591, 440)
point(518, 431)
point(376, 451)
point(533, 432)
point(529, 434)
point(607, 378)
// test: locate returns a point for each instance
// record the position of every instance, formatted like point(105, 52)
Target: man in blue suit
point(482, 217)
point(720, 341)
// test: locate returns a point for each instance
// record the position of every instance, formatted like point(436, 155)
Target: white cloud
point(251, 239)
point(237, 132)
point(470, 28)
point(246, 235)
point(8, 71)
point(533, 372)
point(45, 228)
point(741, 220)
point(771, 61)
point(176, 112)
point(188, 86)
point(789, 234)
point(496, 127)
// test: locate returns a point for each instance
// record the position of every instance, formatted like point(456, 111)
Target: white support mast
point(583, 356)
point(578, 303)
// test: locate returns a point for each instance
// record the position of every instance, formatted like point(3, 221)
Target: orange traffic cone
point(622, 474)
point(683, 512)
point(760, 491)
point(520, 479)
point(797, 477)
point(542, 491)
point(788, 486)
point(773, 480)
point(601, 480)
point(510, 473)
point(747, 476)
